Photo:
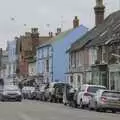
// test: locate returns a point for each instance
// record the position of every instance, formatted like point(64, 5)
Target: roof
point(43, 39)
point(87, 85)
point(60, 36)
point(112, 25)
point(91, 37)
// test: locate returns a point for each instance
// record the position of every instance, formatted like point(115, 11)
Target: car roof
point(101, 90)
point(87, 85)
point(10, 86)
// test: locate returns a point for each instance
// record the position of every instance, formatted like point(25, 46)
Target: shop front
point(100, 75)
point(114, 77)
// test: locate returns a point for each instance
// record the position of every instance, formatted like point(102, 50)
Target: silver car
point(10, 92)
point(105, 100)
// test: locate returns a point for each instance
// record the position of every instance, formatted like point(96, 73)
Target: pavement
point(36, 110)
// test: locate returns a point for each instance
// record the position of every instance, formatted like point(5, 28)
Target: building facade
point(4, 64)
point(54, 61)
point(12, 57)
point(82, 57)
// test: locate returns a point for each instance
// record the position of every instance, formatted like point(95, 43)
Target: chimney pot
point(34, 30)
point(58, 31)
point(50, 34)
point(75, 22)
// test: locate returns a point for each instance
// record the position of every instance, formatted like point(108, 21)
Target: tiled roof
point(60, 36)
point(112, 25)
point(91, 37)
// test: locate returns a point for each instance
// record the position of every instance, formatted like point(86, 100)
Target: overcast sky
point(39, 13)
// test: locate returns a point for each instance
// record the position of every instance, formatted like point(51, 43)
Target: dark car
point(56, 90)
point(10, 92)
point(36, 94)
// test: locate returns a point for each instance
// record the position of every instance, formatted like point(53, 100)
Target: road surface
point(36, 110)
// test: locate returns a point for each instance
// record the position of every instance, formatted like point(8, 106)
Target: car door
point(95, 98)
point(80, 94)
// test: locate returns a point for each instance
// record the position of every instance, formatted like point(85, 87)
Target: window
point(111, 94)
point(94, 89)
point(47, 65)
point(71, 79)
point(83, 88)
point(79, 80)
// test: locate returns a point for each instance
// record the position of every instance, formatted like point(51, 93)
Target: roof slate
point(60, 36)
point(95, 36)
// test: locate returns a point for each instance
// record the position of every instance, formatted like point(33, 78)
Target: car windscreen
point(59, 85)
point(11, 88)
point(94, 89)
point(111, 94)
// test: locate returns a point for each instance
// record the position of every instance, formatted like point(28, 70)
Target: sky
point(18, 16)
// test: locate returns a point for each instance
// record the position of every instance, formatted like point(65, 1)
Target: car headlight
point(18, 92)
point(4, 93)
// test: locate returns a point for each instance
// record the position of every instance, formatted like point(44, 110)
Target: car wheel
point(81, 104)
point(65, 104)
point(97, 108)
point(19, 100)
point(3, 100)
point(113, 111)
point(89, 107)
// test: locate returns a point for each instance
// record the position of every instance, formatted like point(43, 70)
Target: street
point(36, 110)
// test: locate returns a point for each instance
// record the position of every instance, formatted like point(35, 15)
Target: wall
point(43, 54)
point(60, 59)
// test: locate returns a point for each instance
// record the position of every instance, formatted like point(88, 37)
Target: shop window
point(71, 79)
point(47, 65)
point(79, 80)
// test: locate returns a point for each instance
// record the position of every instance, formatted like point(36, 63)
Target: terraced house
point(81, 57)
point(52, 61)
point(97, 53)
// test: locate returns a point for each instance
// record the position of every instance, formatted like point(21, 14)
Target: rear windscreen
point(94, 89)
point(111, 94)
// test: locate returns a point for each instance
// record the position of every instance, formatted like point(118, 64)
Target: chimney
point(58, 31)
point(51, 34)
point(75, 22)
point(34, 30)
point(27, 34)
point(99, 12)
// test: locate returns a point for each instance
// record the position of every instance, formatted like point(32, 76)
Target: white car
point(10, 92)
point(85, 94)
point(27, 92)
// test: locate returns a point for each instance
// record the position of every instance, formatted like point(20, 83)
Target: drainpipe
point(52, 62)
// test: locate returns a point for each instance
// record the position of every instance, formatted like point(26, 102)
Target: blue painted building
point(11, 45)
point(52, 61)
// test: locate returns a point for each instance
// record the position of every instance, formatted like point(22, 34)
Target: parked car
point(56, 91)
point(85, 93)
point(69, 96)
point(36, 94)
point(59, 90)
point(10, 92)
point(105, 100)
point(27, 92)
point(44, 94)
